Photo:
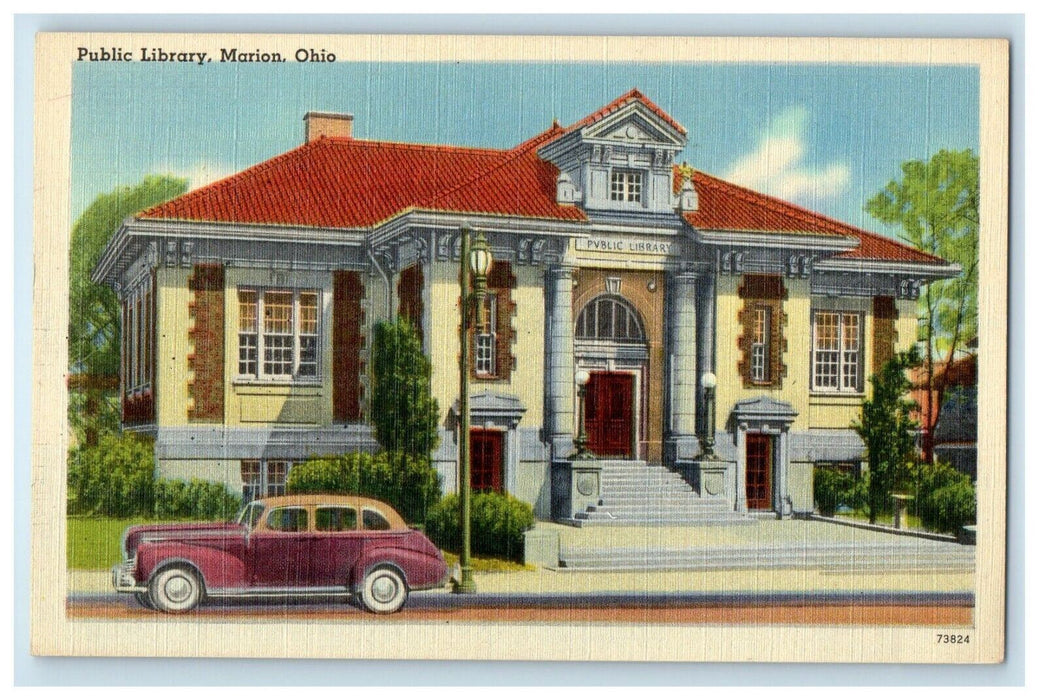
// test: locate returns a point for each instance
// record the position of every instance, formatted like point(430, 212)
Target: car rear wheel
point(383, 591)
point(176, 590)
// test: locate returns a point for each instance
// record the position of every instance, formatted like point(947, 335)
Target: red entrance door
point(485, 447)
point(608, 414)
point(758, 463)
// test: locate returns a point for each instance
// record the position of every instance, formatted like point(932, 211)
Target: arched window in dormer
point(609, 318)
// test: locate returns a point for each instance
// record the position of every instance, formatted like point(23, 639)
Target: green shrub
point(856, 497)
point(113, 478)
point(926, 480)
point(952, 507)
point(116, 479)
point(832, 488)
point(198, 499)
point(410, 484)
point(498, 522)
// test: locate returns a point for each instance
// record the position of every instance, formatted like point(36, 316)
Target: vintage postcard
point(556, 348)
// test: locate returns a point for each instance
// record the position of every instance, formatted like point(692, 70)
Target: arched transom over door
point(611, 343)
point(609, 318)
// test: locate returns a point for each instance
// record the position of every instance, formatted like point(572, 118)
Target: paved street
point(818, 609)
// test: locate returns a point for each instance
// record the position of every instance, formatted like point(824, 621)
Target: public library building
point(719, 335)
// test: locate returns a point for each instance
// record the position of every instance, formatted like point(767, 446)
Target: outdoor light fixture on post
point(708, 382)
point(476, 260)
point(581, 378)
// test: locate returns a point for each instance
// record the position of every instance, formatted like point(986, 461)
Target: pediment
point(504, 410)
point(764, 408)
point(635, 123)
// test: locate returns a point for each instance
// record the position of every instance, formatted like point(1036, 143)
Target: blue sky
point(827, 136)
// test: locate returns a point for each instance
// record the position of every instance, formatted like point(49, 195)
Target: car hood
point(178, 531)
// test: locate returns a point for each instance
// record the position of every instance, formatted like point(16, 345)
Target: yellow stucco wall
point(172, 345)
point(527, 379)
point(441, 290)
point(256, 401)
point(795, 384)
point(907, 324)
point(816, 410)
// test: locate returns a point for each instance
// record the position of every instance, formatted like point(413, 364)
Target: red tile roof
point(633, 95)
point(349, 183)
point(355, 183)
point(724, 206)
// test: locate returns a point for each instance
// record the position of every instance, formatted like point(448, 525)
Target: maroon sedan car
point(283, 546)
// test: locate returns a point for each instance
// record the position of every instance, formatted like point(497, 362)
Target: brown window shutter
point(884, 330)
point(500, 282)
point(347, 342)
point(763, 292)
point(207, 362)
point(409, 289)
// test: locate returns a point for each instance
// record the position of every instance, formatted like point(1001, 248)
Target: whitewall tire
point(383, 591)
point(176, 590)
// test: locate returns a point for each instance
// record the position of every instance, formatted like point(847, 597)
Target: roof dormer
point(620, 156)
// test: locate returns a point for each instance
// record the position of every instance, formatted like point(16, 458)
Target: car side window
point(373, 520)
point(288, 520)
point(335, 519)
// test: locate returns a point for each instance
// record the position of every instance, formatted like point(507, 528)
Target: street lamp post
point(708, 382)
point(581, 451)
point(475, 264)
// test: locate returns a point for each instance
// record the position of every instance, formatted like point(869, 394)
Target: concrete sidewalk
point(801, 540)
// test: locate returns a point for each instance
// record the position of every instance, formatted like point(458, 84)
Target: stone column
point(559, 360)
point(705, 335)
point(682, 329)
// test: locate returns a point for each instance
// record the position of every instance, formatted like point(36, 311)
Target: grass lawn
point(94, 542)
point(913, 521)
point(489, 564)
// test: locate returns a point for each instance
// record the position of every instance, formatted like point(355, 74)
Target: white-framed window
point(279, 333)
point(138, 339)
point(626, 186)
point(264, 477)
point(837, 351)
point(760, 345)
point(487, 340)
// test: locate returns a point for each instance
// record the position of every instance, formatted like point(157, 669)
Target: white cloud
point(198, 174)
point(776, 166)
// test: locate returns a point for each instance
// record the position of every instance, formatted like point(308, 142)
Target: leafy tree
point(886, 427)
point(94, 313)
point(412, 490)
point(936, 204)
point(403, 410)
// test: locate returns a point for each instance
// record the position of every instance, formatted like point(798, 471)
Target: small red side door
point(485, 459)
point(758, 465)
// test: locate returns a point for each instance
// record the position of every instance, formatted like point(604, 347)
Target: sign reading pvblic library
point(630, 245)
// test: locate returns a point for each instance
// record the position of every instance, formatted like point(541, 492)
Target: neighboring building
point(248, 306)
point(954, 407)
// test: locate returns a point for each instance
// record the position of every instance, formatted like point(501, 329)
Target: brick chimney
point(319, 124)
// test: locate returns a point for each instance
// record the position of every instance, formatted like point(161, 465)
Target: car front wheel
point(176, 590)
point(144, 601)
point(383, 591)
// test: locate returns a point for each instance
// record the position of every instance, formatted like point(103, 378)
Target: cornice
point(771, 239)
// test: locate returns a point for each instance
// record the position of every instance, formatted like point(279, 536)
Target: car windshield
point(250, 513)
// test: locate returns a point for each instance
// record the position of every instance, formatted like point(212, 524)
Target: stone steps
point(856, 556)
point(636, 493)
